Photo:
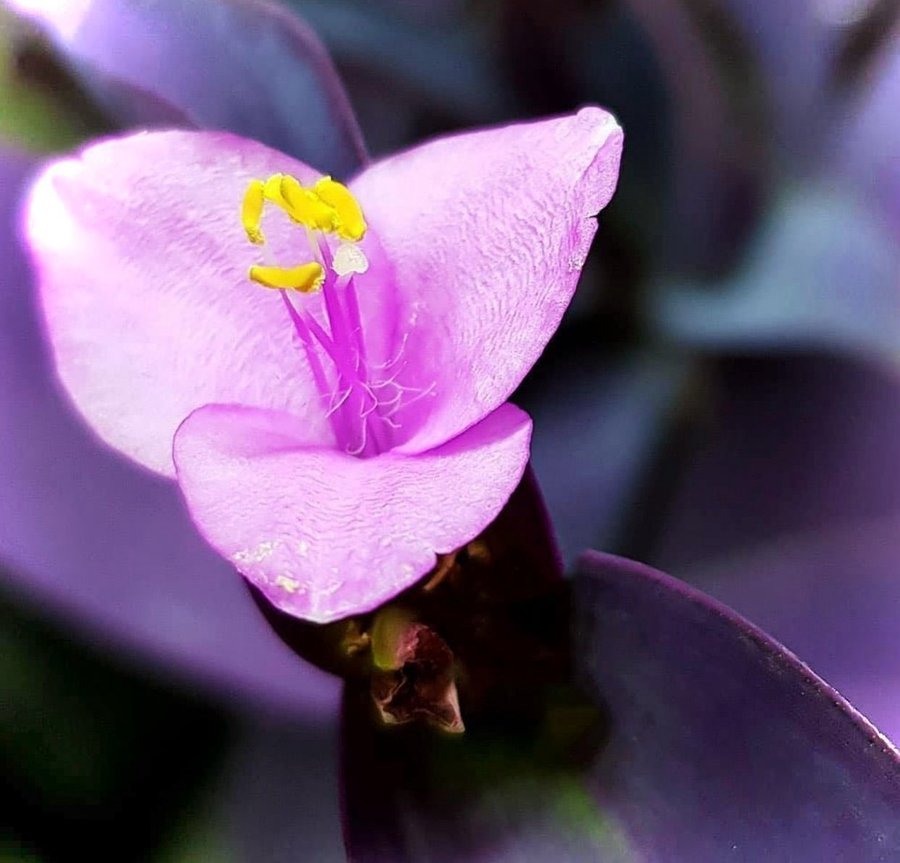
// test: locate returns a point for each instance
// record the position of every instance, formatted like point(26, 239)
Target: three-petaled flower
point(332, 435)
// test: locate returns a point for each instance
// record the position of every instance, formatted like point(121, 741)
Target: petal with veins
point(323, 534)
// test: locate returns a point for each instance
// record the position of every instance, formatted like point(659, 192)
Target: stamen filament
point(348, 362)
point(351, 301)
point(337, 405)
point(338, 423)
point(349, 376)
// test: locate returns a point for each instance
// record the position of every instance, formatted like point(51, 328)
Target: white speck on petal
point(577, 261)
point(262, 552)
point(330, 588)
point(291, 585)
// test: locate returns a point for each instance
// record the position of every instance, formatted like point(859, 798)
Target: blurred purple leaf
point(823, 268)
point(278, 798)
point(246, 66)
point(451, 68)
point(717, 745)
point(788, 511)
point(421, 10)
point(91, 539)
point(719, 156)
point(822, 271)
point(866, 149)
point(596, 430)
point(810, 54)
point(795, 44)
point(790, 446)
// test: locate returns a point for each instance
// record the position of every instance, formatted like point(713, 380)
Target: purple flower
point(716, 742)
point(333, 435)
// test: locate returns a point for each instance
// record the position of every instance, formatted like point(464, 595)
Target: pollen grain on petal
point(305, 278)
point(291, 585)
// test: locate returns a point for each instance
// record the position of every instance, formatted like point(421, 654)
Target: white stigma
point(349, 258)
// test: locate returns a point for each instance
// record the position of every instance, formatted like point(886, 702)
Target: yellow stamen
point(328, 207)
point(272, 190)
point(350, 224)
point(306, 278)
point(252, 210)
point(306, 207)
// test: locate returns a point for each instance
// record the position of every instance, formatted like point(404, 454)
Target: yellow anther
point(306, 207)
point(272, 190)
point(252, 210)
point(350, 224)
point(328, 207)
point(305, 278)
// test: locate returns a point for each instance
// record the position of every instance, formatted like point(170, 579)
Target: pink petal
point(323, 534)
point(143, 273)
point(487, 233)
point(107, 550)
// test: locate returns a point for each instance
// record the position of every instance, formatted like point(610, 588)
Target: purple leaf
point(833, 597)
point(717, 172)
point(714, 744)
point(245, 66)
point(795, 46)
point(822, 269)
point(866, 149)
point(722, 745)
point(278, 798)
point(91, 539)
point(449, 66)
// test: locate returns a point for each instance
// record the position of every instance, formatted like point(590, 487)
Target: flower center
point(361, 399)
